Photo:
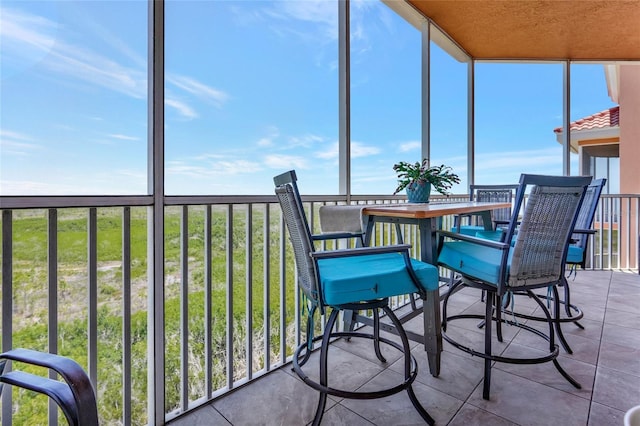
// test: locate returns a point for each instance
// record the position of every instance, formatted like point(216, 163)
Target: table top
point(427, 210)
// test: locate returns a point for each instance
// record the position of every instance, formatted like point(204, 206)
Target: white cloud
point(410, 146)
point(235, 167)
point(305, 141)
point(182, 108)
point(124, 137)
point(329, 154)
point(18, 27)
point(320, 12)
point(110, 182)
point(358, 149)
point(272, 133)
point(265, 142)
point(15, 143)
point(520, 160)
point(276, 161)
point(27, 187)
point(201, 90)
point(25, 37)
point(8, 134)
point(206, 169)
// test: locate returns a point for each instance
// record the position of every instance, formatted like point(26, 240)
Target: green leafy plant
point(440, 177)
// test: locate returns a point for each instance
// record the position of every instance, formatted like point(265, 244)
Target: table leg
point(486, 220)
point(428, 241)
point(431, 306)
point(432, 330)
point(368, 231)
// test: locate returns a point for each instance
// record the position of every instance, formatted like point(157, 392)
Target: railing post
point(52, 320)
point(7, 305)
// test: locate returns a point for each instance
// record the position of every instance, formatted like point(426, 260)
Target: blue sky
point(252, 90)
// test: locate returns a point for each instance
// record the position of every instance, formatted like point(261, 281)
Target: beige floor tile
point(601, 415)
point(526, 402)
point(609, 371)
point(547, 374)
point(470, 415)
point(620, 358)
point(397, 409)
point(616, 389)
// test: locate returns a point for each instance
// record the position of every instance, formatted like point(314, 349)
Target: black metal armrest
point(581, 232)
point(584, 231)
point(361, 251)
point(76, 398)
point(335, 236)
point(475, 240)
point(457, 218)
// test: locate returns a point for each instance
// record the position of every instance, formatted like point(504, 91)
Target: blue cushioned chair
point(536, 260)
point(576, 256)
point(355, 279)
point(500, 217)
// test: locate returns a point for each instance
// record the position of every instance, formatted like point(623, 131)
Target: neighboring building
point(608, 145)
point(596, 139)
point(608, 142)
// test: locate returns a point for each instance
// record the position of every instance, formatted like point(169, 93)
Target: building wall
point(629, 100)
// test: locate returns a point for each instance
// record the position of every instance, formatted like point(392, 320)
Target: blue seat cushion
point(491, 235)
point(473, 260)
point(468, 229)
point(574, 254)
point(361, 278)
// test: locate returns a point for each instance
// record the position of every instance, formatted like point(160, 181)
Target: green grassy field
point(30, 300)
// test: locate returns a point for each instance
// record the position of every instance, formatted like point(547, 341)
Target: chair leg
point(486, 387)
point(552, 344)
point(407, 365)
point(321, 384)
point(567, 302)
point(307, 353)
point(498, 310)
point(451, 291)
point(557, 324)
point(324, 353)
point(376, 335)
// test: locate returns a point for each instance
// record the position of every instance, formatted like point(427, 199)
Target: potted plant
point(418, 178)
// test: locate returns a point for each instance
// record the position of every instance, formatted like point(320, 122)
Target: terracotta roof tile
point(607, 118)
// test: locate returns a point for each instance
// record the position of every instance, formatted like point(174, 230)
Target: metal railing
point(75, 282)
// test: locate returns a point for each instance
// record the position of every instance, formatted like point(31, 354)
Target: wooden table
point(426, 216)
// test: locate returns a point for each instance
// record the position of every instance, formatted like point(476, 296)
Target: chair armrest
point(360, 251)
point(584, 231)
point(475, 240)
point(77, 380)
point(335, 236)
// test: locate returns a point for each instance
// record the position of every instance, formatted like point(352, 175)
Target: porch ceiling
point(533, 29)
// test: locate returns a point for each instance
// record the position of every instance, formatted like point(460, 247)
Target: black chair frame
point(291, 203)
point(493, 304)
point(491, 193)
point(581, 237)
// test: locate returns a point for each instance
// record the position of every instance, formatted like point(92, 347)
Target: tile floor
point(606, 361)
